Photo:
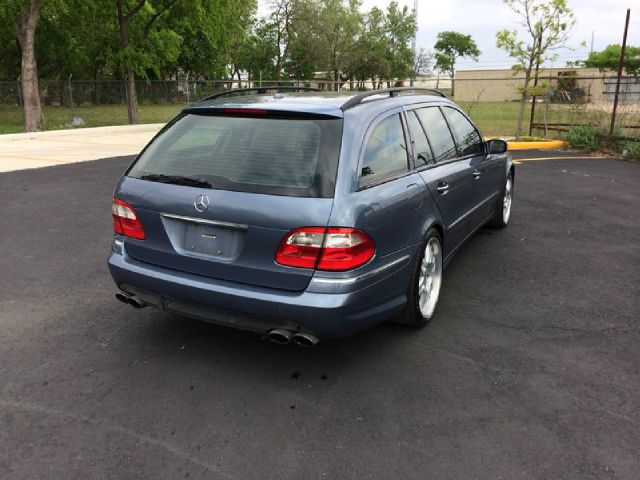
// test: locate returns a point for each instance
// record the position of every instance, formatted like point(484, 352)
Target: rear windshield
point(272, 155)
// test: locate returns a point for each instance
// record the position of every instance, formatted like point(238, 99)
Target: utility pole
point(620, 67)
point(415, 15)
point(593, 34)
point(413, 42)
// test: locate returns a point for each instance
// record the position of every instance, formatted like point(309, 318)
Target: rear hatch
point(217, 190)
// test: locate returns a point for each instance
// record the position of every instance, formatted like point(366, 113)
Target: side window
point(424, 156)
point(386, 153)
point(469, 139)
point(442, 143)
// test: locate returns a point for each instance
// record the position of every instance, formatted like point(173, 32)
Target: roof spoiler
point(260, 91)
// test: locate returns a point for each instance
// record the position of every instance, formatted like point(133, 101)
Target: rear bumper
point(327, 315)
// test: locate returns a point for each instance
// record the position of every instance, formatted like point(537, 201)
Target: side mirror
point(497, 146)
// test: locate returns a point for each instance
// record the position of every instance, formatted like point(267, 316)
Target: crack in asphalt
point(542, 328)
point(32, 407)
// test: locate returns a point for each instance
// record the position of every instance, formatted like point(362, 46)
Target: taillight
point(331, 248)
point(125, 220)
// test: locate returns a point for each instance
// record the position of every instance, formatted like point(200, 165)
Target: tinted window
point(420, 144)
point(444, 148)
point(262, 155)
point(469, 139)
point(386, 152)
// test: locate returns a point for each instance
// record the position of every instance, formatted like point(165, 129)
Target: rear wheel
point(503, 207)
point(426, 280)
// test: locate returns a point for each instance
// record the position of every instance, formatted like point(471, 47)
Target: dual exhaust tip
point(277, 335)
point(132, 300)
point(283, 337)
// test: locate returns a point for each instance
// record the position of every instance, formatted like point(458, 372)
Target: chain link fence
point(179, 92)
point(565, 99)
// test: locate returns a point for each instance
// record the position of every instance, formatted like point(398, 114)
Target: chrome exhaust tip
point(279, 336)
point(135, 302)
point(122, 297)
point(305, 340)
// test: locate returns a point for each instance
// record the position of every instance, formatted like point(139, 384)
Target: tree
point(281, 17)
point(135, 24)
point(401, 28)
point(78, 38)
point(548, 24)
point(382, 48)
point(24, 15)
point(338, 23)
point(256, 52)
point(369, 59)
point(449, 47)
point(421, 63)
point(609, 58)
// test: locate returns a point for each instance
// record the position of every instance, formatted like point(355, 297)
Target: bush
point(583, 136)
point(631, 148)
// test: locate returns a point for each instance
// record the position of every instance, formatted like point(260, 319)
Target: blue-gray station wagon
point(304, 215)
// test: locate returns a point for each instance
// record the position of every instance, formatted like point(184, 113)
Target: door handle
point(442, 187)
point(476, 174)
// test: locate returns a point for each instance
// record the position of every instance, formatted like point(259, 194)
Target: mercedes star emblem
point(201, 203)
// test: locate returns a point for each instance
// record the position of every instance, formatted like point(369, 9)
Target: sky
point(482, 18)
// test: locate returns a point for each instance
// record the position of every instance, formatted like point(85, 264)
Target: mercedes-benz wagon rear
point(302, 216)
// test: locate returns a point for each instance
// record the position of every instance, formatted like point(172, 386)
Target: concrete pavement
point(21, 151)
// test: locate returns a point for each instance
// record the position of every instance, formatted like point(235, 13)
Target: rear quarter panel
point(396, 218)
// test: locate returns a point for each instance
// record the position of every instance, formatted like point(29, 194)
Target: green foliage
point(88, 34)
point(9, 46)
point(630, 149)
point(453, 45)
point(303, 37)
point(211, 33)
point(81, 38)
point(257, 51)
point(583, 136)
point(609, 58)
point(400, 29)
point(371, 60)
point(214, 39)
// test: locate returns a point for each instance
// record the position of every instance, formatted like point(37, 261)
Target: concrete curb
point(543, 145)
point(538, 145)
point(72, 132)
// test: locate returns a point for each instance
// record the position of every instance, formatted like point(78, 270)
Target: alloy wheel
point(430, 277)
point(506, 202)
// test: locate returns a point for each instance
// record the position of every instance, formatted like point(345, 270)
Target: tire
point(418, 313)
point(504, 205)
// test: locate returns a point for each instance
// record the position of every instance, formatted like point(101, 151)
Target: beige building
point(502, 85)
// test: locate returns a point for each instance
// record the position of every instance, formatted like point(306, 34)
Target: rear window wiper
point(176, 180)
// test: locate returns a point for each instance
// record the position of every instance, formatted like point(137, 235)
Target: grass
point(56, 118)
point(501, 118)
point(493, 118)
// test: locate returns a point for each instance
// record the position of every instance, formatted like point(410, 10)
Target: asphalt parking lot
point(530, 369)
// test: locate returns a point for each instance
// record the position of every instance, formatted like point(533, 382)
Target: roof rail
point(393, 92)
point(260, 90)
